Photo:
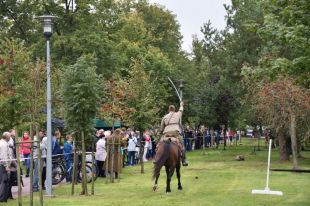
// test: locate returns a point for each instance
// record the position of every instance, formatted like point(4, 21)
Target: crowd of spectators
point(136, 146)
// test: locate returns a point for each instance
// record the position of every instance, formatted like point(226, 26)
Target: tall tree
point(80, 94)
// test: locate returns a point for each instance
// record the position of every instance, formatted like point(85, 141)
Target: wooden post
point(84, 179)
point(141, 151)
point(112, 159)
point(73, 178)
point(39, 167)
point(20, 203)
point(31, 173)
point(107, 162)
point(92, 169)
point(119, 159)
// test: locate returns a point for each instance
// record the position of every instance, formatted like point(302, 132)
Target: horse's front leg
point(156, 180)
point(179, 176)
point(156, 176)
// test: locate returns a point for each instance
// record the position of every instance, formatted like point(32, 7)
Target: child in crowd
point(68, 153)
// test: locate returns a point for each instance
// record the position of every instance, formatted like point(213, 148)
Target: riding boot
point(184, 162)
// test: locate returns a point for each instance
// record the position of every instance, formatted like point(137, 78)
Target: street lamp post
point(47, 31)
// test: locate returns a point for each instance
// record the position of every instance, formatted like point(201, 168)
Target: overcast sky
point(191, 14)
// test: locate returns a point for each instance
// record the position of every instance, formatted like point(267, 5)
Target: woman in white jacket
point(132, 144)
point(101, 155)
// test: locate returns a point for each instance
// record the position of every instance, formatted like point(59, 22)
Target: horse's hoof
point(180, 188)
point(155, 188)
point(168, 191)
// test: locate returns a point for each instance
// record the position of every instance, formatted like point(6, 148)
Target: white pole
point(267, 191)
point(268, 165)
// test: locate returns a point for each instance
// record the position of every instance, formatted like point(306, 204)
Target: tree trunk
point(84, 180)
point(141, 151)
point(294, 140)
point(93, 169)
point(284, 154)
point(225, 136)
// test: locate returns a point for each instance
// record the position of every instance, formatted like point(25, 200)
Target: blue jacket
point(56, 147)
point(68, 151)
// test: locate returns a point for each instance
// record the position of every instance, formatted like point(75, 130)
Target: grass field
point(213, 178)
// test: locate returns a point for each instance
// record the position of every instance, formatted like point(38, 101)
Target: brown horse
point(168, 154)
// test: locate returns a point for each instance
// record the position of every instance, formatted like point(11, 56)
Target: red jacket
point(25, 147)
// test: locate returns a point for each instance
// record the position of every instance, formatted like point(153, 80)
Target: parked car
point(249, 133)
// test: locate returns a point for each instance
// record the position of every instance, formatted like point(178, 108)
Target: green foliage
point(22, 86)
point(80, 95)
point(146, 99)
point(113, 32)
point(285, 34)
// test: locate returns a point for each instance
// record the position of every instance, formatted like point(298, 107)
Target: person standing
point(132, 144)
point(25, 149)
point(101, 155)
point(13, 166)
point(4, 166)
point(12, 143)
point(188, 138)
point(43, 145)
point(147, 140)
point(43, 148)
point(56, 149)
point(68, 156)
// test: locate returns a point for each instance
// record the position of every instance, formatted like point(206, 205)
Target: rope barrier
point(8, 160)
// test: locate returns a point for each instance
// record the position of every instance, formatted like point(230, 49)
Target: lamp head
point(181, 86)
point(47, 21)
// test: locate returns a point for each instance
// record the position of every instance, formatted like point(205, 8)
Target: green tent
point(101, 124)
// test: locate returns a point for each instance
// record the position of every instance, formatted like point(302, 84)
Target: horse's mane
point(163, 158)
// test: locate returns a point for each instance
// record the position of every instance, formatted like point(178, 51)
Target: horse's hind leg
point(169, 172)
point(179, 176)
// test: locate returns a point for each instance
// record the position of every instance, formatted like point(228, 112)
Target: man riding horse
point(171, 127)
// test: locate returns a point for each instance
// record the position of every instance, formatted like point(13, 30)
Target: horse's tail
point(162, 159)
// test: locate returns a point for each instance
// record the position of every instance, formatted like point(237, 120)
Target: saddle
point(173, 137)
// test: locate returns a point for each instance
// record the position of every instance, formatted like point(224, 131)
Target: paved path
point(25, 189)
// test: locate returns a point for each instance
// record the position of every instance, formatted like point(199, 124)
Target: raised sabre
point(175, 89)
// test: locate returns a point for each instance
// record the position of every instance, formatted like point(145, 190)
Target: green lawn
point(213, 178)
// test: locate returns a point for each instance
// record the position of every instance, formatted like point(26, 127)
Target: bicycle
point(59, 172)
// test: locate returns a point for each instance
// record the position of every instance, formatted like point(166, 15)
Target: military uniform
point(115, 142)
point(171, 127)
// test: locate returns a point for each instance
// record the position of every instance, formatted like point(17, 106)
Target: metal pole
point(49, 123)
